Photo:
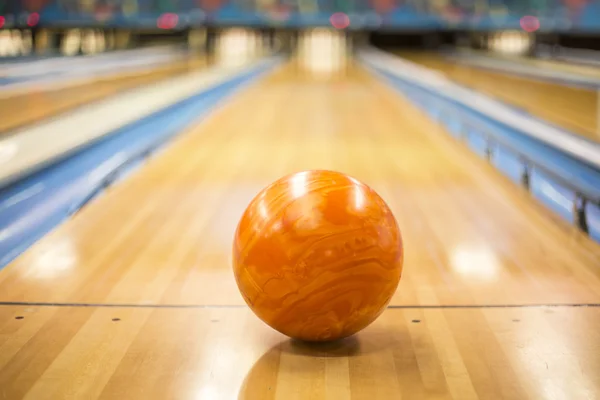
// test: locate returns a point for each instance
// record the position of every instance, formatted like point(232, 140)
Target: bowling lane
point(164, 235)
point(574, 109)
point(132, 353)
point(137, 300)
point(23, 109)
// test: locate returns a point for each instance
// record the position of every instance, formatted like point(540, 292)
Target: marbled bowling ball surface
point(317, 255)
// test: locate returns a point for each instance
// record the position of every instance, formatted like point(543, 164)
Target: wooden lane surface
point(24, 109)
point(82, 353)
point(163, 238)
point(574, 109)
point(472, 237)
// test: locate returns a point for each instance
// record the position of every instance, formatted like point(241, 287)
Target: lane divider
point(443, 88)
point(71, 71)
point(21, 152)
point(33, 206)
point(564, 183)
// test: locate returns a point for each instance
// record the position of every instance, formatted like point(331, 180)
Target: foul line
point(200, 306)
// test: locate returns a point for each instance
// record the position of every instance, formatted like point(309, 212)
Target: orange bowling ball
point(317, 255)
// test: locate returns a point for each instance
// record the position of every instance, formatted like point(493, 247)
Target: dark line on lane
point(117, 305)
point(234, 306)
point(548, 305)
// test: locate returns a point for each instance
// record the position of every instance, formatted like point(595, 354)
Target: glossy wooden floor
point(574, 109)
point(24, 109)
point(134, 298)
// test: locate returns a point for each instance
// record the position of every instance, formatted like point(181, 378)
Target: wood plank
point(20, 110)
point(468, 320)
point(573, 109)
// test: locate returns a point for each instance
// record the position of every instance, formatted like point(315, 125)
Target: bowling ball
point(317, 255)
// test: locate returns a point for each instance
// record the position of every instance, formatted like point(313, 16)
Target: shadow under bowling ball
point(345, 347)
point(294, 363)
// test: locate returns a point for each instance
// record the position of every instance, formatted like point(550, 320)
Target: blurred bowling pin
point(100, 41)
point(5, 43)
point(26, 42)
point(71, 42)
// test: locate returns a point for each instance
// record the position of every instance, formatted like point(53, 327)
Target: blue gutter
point(34, 205)
point(546, 171)
point(557, 162)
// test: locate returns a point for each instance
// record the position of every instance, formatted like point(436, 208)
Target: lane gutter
point(36, 204)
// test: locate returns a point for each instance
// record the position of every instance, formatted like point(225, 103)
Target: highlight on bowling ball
point(318, 255)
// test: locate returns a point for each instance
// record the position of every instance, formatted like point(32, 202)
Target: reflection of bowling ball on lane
point(317, 255)
point(261, 381)
point(289, 365)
